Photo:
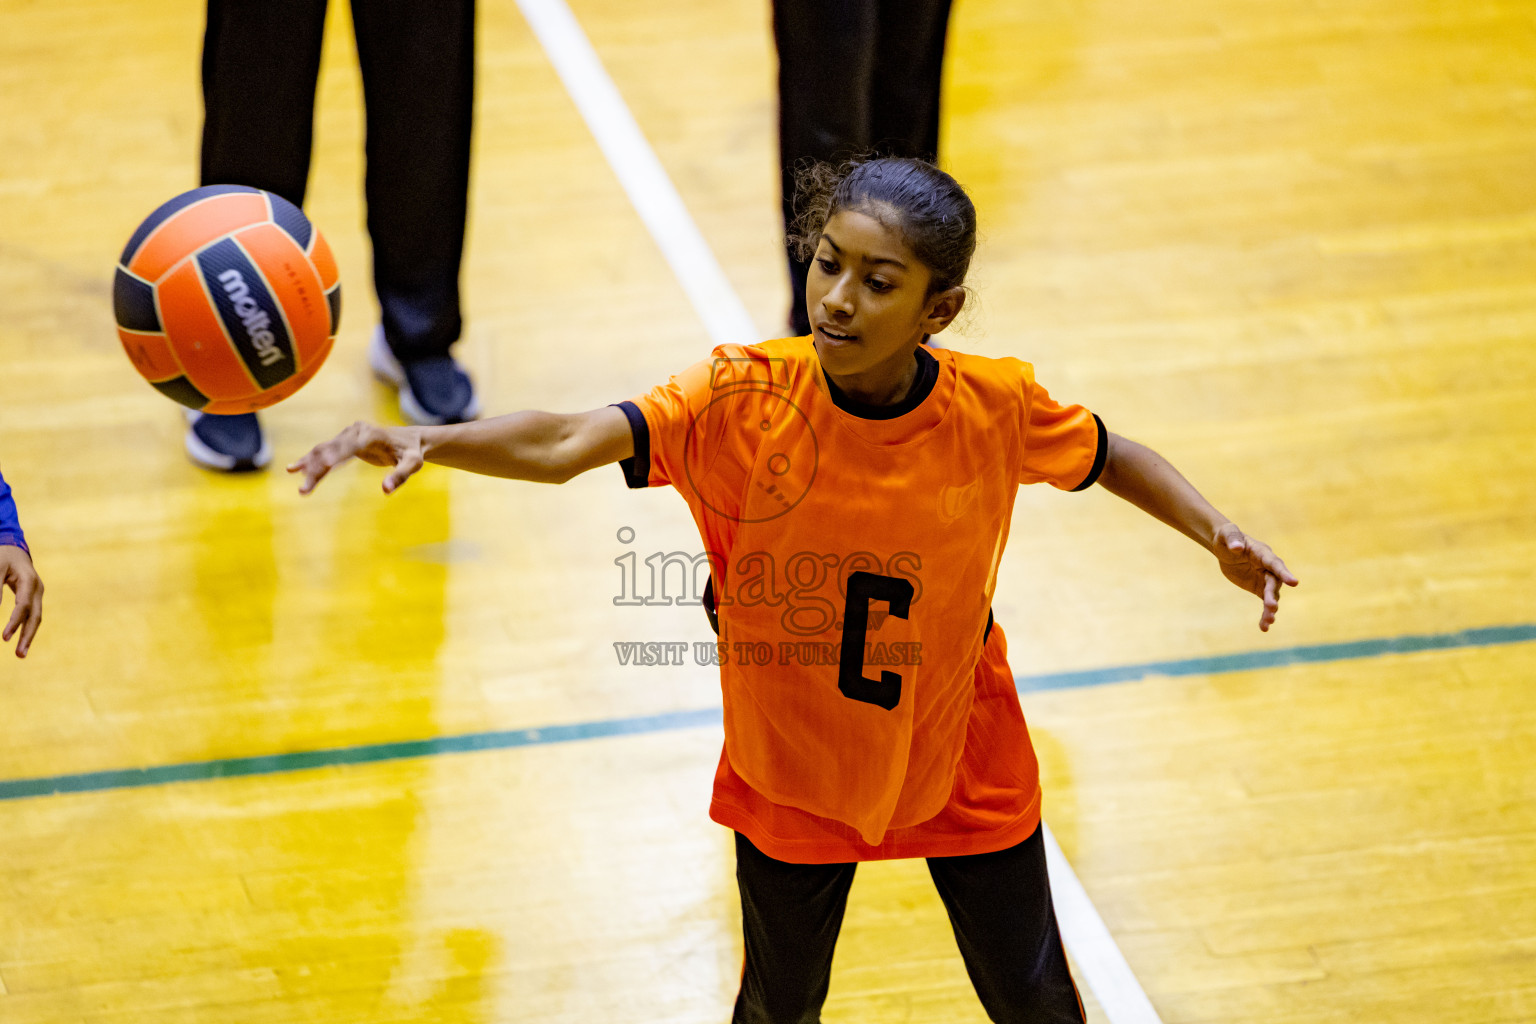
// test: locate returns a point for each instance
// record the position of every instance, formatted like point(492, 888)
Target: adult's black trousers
point(261, 59)
point(855, 77)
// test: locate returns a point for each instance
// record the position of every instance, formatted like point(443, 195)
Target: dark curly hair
point(913, 197)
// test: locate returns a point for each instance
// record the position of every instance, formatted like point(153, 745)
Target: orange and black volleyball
point(227, 299)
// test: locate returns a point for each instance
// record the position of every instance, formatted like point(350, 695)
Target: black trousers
point(999, 905)
point(855, 76)
point(261, 59)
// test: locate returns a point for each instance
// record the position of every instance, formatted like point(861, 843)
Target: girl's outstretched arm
point(1147, 480)
point(542, 446)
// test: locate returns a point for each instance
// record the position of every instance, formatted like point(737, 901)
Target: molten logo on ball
point(252, 316)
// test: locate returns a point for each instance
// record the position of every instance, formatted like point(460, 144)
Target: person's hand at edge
point(18, 573)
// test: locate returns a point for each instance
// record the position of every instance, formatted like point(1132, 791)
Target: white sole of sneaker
point(386, 368)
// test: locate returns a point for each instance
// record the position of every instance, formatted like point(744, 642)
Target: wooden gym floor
point(1290, 243)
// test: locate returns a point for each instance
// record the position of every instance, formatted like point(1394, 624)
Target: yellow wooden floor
point(1290, 243)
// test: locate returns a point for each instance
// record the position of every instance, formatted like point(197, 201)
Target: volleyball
point(227, 299)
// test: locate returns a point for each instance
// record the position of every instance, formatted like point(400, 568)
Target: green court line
point(303, 760)
point(1217, 664)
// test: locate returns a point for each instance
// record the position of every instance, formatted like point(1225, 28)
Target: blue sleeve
point(10, 526)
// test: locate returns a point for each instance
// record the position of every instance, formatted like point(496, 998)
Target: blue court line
point(273, 764)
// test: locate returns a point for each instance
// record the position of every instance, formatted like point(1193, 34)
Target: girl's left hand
point(1249, 563)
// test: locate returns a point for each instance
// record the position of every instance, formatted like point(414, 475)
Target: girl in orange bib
point(854, 490)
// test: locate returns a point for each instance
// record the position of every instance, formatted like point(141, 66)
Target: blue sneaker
point(433, 391)
point(228, 444)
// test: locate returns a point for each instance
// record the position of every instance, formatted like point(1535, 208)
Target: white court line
point(641, 174)
point(1086, 937)
point(726, 319)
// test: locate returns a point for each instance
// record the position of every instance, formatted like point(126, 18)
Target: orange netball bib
point(853, 553)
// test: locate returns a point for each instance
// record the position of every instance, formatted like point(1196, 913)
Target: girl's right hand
point(400, 447)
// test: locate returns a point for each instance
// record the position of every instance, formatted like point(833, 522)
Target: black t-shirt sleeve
point(1099, 457)
point(637, 468)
